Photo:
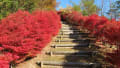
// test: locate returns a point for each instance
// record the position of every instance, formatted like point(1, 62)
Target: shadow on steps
point(98, 59)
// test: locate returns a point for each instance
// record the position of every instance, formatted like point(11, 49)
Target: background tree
point(46, 4)
point(114, 11)
point(87, 7)
point(76, 7)
point(10, 6)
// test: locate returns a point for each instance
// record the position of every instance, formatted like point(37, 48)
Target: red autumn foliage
point(4, 64)
point(112, 32)
point(102, 28)
point(114, 58)
point(24, 35)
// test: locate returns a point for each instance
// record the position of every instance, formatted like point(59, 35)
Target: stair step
point(74, 39)
point(73, 36)
point(79, 41)
point(66, 45)
point(69, 26)
point(69, 29)
point(69, 64)
point(71, 45)
point(77, 38)
point(64, 30)
point(69, 32)
point(79, 53)
point(78, 33)
point(72, 31)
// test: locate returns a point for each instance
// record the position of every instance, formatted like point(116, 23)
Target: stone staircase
point(71, 49)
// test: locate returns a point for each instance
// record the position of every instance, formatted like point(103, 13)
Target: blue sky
point(64, 3)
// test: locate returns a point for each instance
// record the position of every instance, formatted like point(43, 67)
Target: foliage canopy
point(87, 7)
point(10, 6)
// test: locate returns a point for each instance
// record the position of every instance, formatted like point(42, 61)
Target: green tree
point(76, 7)
point(38, 4)
point(114, 11)
point(10, 6)
point(87, 7)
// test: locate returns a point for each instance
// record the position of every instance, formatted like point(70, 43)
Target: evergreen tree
point(114, 11)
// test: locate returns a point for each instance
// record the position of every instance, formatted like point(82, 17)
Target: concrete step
point(65, 30)
point(54, 58)
point(72, 49)
point(76, 41)
point(69, 64)
point(73, 32)
point(75, 36)
point(70, 58)
point(65, 49)
point(64, 25)
point(71, 53)
point(68, 28)
point(71, 45)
